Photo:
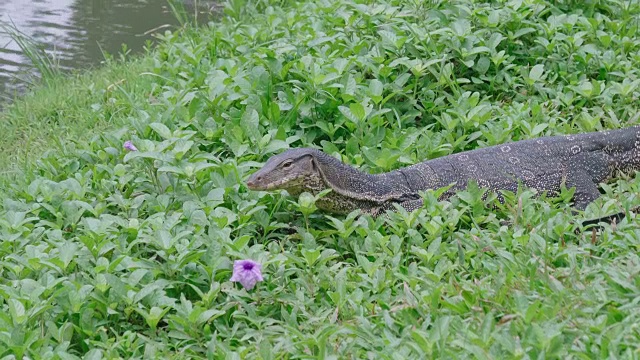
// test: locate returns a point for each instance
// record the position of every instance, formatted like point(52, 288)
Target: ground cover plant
point(124, 246)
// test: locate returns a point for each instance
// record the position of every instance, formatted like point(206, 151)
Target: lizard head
point(294, 169)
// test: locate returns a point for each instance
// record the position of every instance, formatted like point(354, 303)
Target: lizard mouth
point(253, 183)
point(256, 182)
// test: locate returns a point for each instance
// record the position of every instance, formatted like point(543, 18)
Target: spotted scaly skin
point(546, 164)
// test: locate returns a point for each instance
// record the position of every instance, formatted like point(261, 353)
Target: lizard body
point(546, 164)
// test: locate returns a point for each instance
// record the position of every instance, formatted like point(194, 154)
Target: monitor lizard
point(580, 161)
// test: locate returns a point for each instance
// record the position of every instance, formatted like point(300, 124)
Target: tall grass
point(47, 65)
point(185, 17)
point(180, 12)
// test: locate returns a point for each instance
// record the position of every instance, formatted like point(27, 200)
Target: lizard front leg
point(586, 189)
point(408, 205)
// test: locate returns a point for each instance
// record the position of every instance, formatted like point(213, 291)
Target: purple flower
point(247, 272)
point(129, 146)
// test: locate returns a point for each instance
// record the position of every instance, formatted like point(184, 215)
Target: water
point(77, 32)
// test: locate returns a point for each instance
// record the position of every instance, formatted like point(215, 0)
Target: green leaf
point(539, 128)
point(350, 88)
point(68, 253)
point(209, 315)
point(311, 256)
point(162, 130)
point(250, 124)
point(172, 169)
point(349, 114)
point(375, 87)
point(536, 72)
point(358, 111)
point(241, 242)
point(154, 316)
point(17, 311)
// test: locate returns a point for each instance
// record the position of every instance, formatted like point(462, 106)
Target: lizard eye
point(287, 164)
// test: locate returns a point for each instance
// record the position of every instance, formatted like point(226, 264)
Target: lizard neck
point(351, 188)
point(353, 183)
point(335, 201)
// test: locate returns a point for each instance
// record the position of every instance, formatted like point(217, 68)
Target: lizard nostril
point(253, 181)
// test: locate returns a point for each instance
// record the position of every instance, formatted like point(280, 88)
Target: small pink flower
point(247, 273)
point(129, 146)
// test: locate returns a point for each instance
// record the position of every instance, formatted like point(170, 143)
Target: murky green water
point(77, 32)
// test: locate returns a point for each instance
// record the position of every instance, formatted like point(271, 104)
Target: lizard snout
point(253, 180)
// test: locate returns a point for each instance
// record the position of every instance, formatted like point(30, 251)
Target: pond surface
point(79, 32)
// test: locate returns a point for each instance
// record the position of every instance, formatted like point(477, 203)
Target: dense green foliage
point(109, 253)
